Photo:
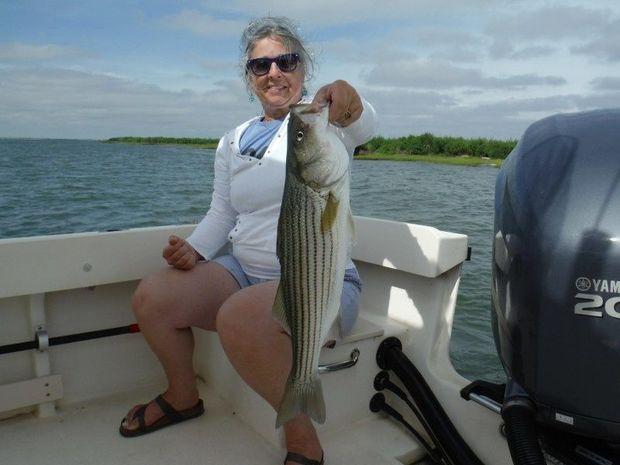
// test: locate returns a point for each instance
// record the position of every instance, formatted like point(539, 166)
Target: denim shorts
point(349, 300)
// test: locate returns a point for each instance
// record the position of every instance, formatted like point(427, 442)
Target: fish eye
point(300, 135)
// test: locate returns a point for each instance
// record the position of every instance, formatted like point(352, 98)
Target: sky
point(473, 68)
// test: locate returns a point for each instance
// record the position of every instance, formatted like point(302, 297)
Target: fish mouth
point(308, 108)
point(301, 107)
point(310, 114)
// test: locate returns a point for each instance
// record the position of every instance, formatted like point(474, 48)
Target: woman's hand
point(180, 254)
point(345, 104)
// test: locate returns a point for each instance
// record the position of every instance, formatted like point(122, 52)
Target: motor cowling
point(556, 270)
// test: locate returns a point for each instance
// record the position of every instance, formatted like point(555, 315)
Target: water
point(64, 186)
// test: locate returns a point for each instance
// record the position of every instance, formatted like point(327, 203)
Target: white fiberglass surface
point(87, 434)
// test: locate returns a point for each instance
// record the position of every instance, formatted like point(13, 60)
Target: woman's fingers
point(174, 243)
point(345, 104)
point(179, 253)
point(351, 107)
point(350, 114)
point(186, 262)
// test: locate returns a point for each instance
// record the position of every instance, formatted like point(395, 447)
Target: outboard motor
point(556, 289)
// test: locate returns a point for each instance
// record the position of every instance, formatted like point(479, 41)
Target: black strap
point(168, 409)
point(139, 415)
point(298, 458)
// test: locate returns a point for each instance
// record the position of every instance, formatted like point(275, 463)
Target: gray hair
point(284, 30)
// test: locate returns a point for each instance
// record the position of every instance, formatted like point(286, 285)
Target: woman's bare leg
point(166, 304)
point(261, 352)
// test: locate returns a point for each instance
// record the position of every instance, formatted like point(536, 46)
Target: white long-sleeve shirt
point(247, 194)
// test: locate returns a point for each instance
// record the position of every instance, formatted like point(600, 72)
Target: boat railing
point(57, 285)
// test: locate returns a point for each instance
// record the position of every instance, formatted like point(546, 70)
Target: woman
point(233, 294)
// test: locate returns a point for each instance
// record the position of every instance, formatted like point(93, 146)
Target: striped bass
point(313, 246)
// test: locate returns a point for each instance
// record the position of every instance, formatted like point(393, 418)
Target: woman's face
point(276, 90)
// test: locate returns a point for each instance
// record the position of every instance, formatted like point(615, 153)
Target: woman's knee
point(237, 321)
point(148, 298)
point(229, 321)
point(247, 315)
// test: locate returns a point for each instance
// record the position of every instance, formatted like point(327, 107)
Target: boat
point(61, 404)
point(72, 363)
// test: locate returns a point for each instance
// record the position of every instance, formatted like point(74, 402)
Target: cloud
point(503, 49)
point(220, 65)
point(602, 48)
point(606, 83)
point(444, 43)
point(320, 13)
point(438, 75)
point(607, 46)
point(50, 102)
point(370, 51)
point(406, 102)
point(203, 24)
point(457, 54)
point(439, 36)
point(521, 81)
point(545, 106)
point(404, 112)
point(582, 30)
point(553, 22)
point(16, 51)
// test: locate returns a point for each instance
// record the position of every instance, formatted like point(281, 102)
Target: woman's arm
point(212, 231)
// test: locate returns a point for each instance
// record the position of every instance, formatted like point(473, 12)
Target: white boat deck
point(87, 434)
point(74, 283)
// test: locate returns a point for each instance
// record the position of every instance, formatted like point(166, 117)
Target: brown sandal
point(301, 459)
point(171, 417)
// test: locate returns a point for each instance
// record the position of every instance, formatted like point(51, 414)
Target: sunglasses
point(260, 66)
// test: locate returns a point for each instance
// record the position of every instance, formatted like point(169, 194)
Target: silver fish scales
point(314, 231)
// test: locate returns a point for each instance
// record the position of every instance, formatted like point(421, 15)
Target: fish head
point(315, 153)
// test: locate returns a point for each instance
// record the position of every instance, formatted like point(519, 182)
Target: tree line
point(165, 140)
point(424, 144)
point(428, 144)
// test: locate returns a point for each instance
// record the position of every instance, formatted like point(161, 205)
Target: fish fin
point(302, 398)
point(329, 214)
point(279, 310)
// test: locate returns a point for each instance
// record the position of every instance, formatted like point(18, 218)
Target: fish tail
point(302, 398)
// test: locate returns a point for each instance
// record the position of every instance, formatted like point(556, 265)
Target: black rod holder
point(70, 338)
point(378, 404)
point(391, 357)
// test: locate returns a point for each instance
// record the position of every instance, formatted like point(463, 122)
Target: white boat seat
point(363, 329)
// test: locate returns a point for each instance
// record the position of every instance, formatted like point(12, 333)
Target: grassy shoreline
point(189, 141)
point(438, 159)
point(463, 160)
